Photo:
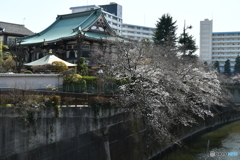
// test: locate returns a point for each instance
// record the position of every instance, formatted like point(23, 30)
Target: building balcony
point(227, 41)
point(225, 55)
point(234, 51)
point(236, 36)
point(225, 46)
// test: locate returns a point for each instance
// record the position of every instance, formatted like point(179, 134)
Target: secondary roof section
point(48, 59)
point(14, 29)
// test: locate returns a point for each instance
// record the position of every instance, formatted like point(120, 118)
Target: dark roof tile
point(15, 28)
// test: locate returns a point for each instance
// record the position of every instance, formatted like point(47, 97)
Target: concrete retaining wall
point(80, 133)
point(86, 133)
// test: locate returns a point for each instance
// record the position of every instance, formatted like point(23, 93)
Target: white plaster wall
point(30, 81)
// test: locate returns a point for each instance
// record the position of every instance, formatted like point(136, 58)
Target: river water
point(223, 144)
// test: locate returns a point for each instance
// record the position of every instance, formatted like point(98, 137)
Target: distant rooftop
point(14, 28)
point(85, 6)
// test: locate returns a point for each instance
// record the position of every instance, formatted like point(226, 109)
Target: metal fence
point(72, 96)
point(90, 88)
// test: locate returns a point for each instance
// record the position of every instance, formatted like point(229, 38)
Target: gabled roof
point(69, 25)
point(14, 29)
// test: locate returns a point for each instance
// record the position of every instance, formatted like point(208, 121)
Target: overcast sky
point(37, 15)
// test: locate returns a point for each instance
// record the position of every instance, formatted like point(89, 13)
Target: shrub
point(71, 79)
point(69, 71)
point(59, 66)
point(27, 72)
point(41, 68)
point(52, 101)
point(76, 81)
point(8, 64)
point(122, 81)
point(91, 79)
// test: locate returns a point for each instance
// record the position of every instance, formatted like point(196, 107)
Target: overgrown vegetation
point(29, 103)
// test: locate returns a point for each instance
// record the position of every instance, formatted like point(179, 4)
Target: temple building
point(71, 36)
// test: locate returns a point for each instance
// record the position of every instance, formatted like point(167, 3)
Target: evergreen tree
point(82, 66)
point(186, 42)
point(227, 66)
point(237, 65)
point(165, 33)
point(216, 66)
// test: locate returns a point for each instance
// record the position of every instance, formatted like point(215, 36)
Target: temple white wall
point(31, 81)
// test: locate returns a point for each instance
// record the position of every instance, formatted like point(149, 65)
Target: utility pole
point(184, 36)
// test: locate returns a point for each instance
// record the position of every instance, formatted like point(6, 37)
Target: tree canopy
point(162, 87)
point(187, 44)
point(18, 53)
point(165, 33)
point(227, 66)
point(237, 65)
point(216, 66)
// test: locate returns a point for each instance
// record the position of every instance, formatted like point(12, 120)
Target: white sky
point(40, 14)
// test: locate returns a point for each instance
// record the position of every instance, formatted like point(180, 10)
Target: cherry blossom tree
point(163, 88)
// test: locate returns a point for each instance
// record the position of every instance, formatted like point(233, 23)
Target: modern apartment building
point(218, 46)
point(113, 14)
point(137, 32)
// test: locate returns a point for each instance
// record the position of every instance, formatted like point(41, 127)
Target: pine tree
point(165, 33)
point(227, 66)
point(186, 42)
point(237, 65)
point(216, 66)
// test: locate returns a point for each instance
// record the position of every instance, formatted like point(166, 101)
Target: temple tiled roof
point(69, 25)
point(14, 29)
